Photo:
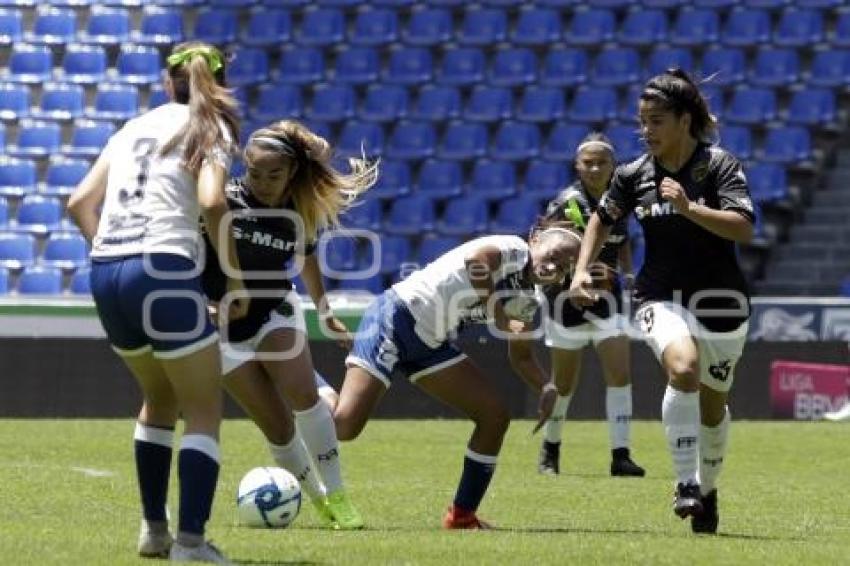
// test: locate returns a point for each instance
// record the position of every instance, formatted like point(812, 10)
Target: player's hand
point(545, 405)
point(673, 193)
point(238, 307)
point(581, 291)
point(336, 329)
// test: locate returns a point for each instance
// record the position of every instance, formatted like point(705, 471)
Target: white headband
point(278, 144)
point(560, 229)
point(595, 143)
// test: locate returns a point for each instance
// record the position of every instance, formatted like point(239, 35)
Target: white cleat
point(842, 414)
point(205, 552)
point(154, 545)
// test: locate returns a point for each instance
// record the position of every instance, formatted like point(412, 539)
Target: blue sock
point(198, 469)
point(153, 466)
point(477, 471)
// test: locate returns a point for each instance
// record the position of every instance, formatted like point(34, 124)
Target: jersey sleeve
point(733, 190)
point(618, 201)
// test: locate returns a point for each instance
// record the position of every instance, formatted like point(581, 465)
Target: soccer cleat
point(205, 552)
point(345, 516)
point(457, 518)
point(842, 414)
point(154, 545)
point(686, 500)
point(706, 522)
point(550, 458)
point(623, 465)
point(325, 514)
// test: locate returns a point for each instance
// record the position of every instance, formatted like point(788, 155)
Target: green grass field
point(68, 496)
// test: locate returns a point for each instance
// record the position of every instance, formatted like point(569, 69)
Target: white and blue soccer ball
point(268, 498)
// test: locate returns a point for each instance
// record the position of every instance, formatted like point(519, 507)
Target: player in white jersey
point(155, 177)
point(409, 330)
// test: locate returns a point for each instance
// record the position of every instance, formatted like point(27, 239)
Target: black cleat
point(706, 522)
point(686, 500)
point(622, 464)
point(550, 458)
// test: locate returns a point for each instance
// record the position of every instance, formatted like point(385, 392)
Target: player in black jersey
point(289, 194)
point(693, 203)
point(568, 329)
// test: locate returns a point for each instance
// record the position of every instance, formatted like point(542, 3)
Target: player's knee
point(280, 432)
point(494, 420)
point(683, 371)
point(348, 424)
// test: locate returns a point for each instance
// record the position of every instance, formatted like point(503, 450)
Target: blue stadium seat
point(541, 104)
point(493, 180)
point(2, 137)
point(267, 28)
point(340, 254)
point(799, 28)
point(544, 179)
point(752, 106)
point(663, 4)
point(375, 27)
point(769, 4)
point(464, 216)
point(394, 251)
point(626, 140)
point(696, 28)
point(365, 215)
point(830, 4)
point(727, 66)
point(385, 103)
point(776, 68)
point(60, 101)
point(593, 105)
point(439, 179)
point(88, 138)
point(36, 139)
point(29, 64)
point(716, 4)
point(215, 25)
point(738, 140)
point(394, 180)
point(249, 66)
point(412, 140)
point(516, 141)
point(514, 67)
point(4, 212)
point(40, 280)
point(17, 251)
point(617, 67)
point(841, 33)
point(63, 175)
point(53, 26)
point(160, 26)
point(301, 65)
point(115, 102)
point(395, 3)
point(373, 285)
point(430, 26)
point(432, 247)
point(332, 103)
point(767, 182)
point(139, 65)
point(11, 26)
point(830, 69)
point(38, 214)
point(322, 27)
point(109, 27)
point(714, 97)
point(591, 27)
point(489, 104)
point(65, 251)
point(81, 282)
point(482, 27)
point(628, 109)
point(747, 28)
point(462, 66)
point(565, 67)
point(665, 58)
point(4, 280)
point(644, 28)
point(339, 3)
point(464, 140)
point(286, 3)
point(538, 27)
point(516, 215)
point(357, 138)
point(563, 140)
point(18, 177)
point(437, 103)
point(225, 3)
point(14, 101)
point(84, 64)
point(789, 145)
point(613, 4)
point(357, 65)
point(410, 66)
point(812, 107)
point(410, 215)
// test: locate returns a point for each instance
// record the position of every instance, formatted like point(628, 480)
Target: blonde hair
point(198, 80)
point(320, 193)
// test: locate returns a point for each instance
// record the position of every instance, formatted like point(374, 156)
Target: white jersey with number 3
point(151, 202)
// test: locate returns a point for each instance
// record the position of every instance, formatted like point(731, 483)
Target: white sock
point(618, 407)
point(294, 458)
point(712, 450)
point(680, 416)
point(316, 426)
point(555, 424)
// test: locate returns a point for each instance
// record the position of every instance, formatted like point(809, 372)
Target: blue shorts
point(386, 341)
point(163, 312)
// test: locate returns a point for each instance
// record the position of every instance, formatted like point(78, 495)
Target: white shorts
point(234, 354)
point(590, 332)
point(664, 322)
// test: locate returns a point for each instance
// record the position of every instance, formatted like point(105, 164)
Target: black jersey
point(682, 258)
point(263, 244)
point(576, 204)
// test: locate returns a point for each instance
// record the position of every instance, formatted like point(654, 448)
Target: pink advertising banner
point(804, 391)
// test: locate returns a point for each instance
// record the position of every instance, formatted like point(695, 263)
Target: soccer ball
point(268, 498)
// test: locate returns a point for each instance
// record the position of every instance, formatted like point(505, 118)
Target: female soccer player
point(693, 203)
point(568, 329)
point(290, 193)
point(409, 329)
point(154, 178)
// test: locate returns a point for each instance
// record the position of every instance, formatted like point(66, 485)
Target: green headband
point(210, 54)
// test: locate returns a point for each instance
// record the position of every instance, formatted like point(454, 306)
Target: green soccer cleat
point(344, 514)
point(324, 511)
